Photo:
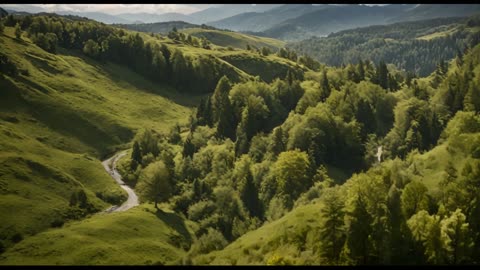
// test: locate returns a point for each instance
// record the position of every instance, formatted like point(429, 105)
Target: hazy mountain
point(256, 21)
point(300, 21)
point(430, 11)
point(203, 16)
point(97, 16)
point(3, 12)
point(25, 8)
point(225, 11)
point(334, 18)
point(154, 18)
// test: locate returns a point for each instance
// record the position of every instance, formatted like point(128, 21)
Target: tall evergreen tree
point(332, 230)
point(325, 86)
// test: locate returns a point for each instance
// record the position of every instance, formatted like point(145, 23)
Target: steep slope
point(142, 235)
point(59, 115)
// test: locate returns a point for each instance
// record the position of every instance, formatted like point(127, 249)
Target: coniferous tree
point(358, 236)
point(325, 86)
point(18, 31)
point(249, 196)
point(361, 70)
point(136, 156)
point(381, 75)
point(332, 230)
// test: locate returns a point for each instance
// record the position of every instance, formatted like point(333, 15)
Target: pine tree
point(188, 147)
point(222, 109)
point(18, 31)
point(220, 98)
point(332, 230)
point(381, 75)
point(361, 70)
point(358, 236)
point(456, 238)
point(136, 156)
point(249, 196)
point(325, 86)
point(277, 144)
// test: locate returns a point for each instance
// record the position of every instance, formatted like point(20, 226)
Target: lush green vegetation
point(412, 46)
point(143, 235)
point(277, 164)
point(59, 114)
point(234, 39)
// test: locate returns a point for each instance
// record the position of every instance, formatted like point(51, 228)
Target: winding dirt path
point(110, 166)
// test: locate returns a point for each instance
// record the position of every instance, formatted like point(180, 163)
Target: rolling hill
point(405, 44)
point(234, 39)
point(154, 237)
point(66, 112)
point(62, 112)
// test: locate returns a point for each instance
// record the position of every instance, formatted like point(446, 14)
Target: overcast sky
point(112, 8)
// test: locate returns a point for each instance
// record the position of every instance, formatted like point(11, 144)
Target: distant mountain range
point(199, 17)
point(300, 21)
point(289, 22)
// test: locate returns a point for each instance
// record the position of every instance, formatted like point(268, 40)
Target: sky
point(112, 9)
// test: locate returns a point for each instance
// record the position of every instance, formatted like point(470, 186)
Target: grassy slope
point(234, 39)
point(246, 64)
point(449, 31)
point(56, 122)
point(138, 236)
point(275, 238)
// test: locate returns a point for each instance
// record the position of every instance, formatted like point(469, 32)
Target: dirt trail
point(110, 166)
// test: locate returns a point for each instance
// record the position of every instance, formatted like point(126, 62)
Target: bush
point(200, 210)
point(57, 223)
point(212, 240)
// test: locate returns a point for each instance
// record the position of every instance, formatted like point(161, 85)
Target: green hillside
point(142, 235)
point(294, 239)
point(412, 46)
point(59, 116)
point(62, 112)
point(282, 161)
point(234, 39)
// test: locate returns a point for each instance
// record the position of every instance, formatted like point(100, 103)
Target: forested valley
point(361, 148)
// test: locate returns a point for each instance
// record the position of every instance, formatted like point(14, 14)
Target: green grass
point(239, 62)
point(141, 235)
point(57, 122)
point(447, 32)
point(234, 39)
point(272, 239)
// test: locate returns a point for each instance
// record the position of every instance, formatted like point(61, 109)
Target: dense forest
point(158, 62)
point(412, 46)
point(258, 148)
point(255, 151)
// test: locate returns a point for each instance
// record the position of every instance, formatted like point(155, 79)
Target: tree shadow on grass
point(110, 69)
point(176, 223)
